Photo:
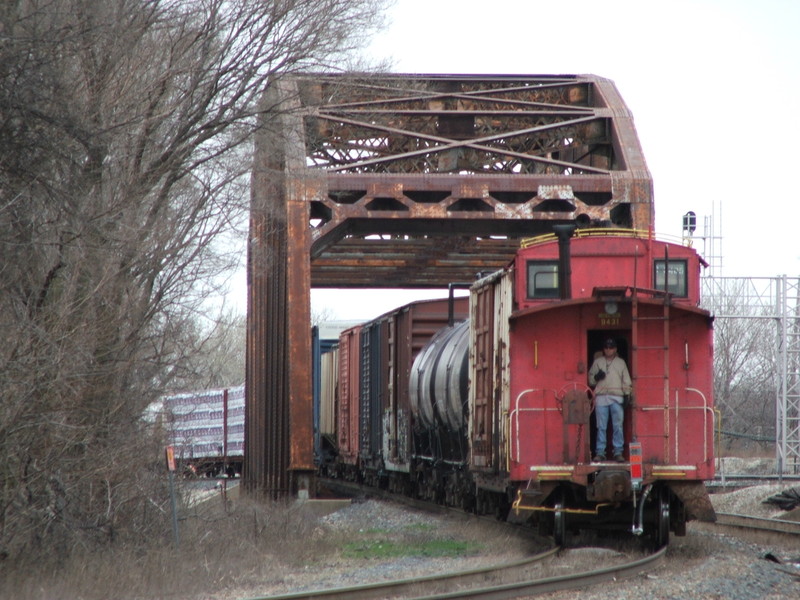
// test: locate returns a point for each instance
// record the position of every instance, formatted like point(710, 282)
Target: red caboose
point(532, 407)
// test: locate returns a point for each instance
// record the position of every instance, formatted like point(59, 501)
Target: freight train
point(485, 402)
point(205, 430)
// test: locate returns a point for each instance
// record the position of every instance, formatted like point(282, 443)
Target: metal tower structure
point(391, 180)
point(788, 421)
point(774, 299)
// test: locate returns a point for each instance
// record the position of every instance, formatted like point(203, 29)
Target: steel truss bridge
point(416, 181)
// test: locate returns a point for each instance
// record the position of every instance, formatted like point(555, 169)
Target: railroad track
point(758, 523)
point(513, 580)
point(735, 482)
point(498, 581)
point(473, 584)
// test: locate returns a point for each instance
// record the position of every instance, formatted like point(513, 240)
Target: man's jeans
point(617, 413)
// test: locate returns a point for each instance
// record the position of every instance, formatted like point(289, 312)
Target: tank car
point(495, 413)
point(373, 420)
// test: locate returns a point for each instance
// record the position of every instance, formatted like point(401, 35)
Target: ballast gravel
point(713, 564)
point(703, 565)
point(709, 563)
point(376, 520)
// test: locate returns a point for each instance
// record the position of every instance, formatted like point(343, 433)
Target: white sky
point(713, 86)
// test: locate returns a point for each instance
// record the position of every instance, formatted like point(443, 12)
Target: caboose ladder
point(638, 373)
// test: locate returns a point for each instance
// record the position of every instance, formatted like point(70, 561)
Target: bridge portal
point(415, 181)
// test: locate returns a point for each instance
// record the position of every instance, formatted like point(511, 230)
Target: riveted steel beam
point(278, 412)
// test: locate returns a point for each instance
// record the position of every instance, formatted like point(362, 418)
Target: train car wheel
point(559, 519)
point(662, 518)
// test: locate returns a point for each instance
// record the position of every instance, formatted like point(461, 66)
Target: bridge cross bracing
point(415, 181)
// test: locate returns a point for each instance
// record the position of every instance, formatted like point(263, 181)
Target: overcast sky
point(713, 86)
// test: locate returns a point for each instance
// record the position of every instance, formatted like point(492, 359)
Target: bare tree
point(125, 128)
point(216, 354)
point(745, 364)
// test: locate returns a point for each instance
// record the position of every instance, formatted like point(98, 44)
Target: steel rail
point(386, 589)
point(503, 591)
point(553, 584)
point(756, 478)
point(737, 482)
point(477, 578)
point(352, 489)
point(760, 523)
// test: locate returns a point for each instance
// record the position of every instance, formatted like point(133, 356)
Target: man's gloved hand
point(600, 375)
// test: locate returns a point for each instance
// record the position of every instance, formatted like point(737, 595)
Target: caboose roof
point(622, 259)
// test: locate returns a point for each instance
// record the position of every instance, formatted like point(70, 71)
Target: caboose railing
point(708, 412)
point(525, 403)
point(514, 419)
point(674, 411)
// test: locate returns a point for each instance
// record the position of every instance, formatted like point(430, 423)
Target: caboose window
point(676, 282)
point(542, 279)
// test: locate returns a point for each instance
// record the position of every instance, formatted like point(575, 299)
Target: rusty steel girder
point(491, 157)
point(392, 180)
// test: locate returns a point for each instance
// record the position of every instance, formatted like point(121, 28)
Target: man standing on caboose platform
point(612, 383)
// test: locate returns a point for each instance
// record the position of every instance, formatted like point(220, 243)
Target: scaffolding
point(776, 299)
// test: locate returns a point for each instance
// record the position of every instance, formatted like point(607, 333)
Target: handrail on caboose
point(514, 419)
point(706, 411)
point(514, 449)
point(704, 407)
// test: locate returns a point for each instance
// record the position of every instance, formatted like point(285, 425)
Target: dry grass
point(218, 550)
point(252, 547)
point(244, 551)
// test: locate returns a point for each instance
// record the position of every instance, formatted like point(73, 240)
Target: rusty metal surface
point(350, 389)
point(483, 316)
point(405, 332)
point(694, 496)
point(397, 180)
point(410, 156)
point(372, 399)
point(433, 262)
point(278, 407)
